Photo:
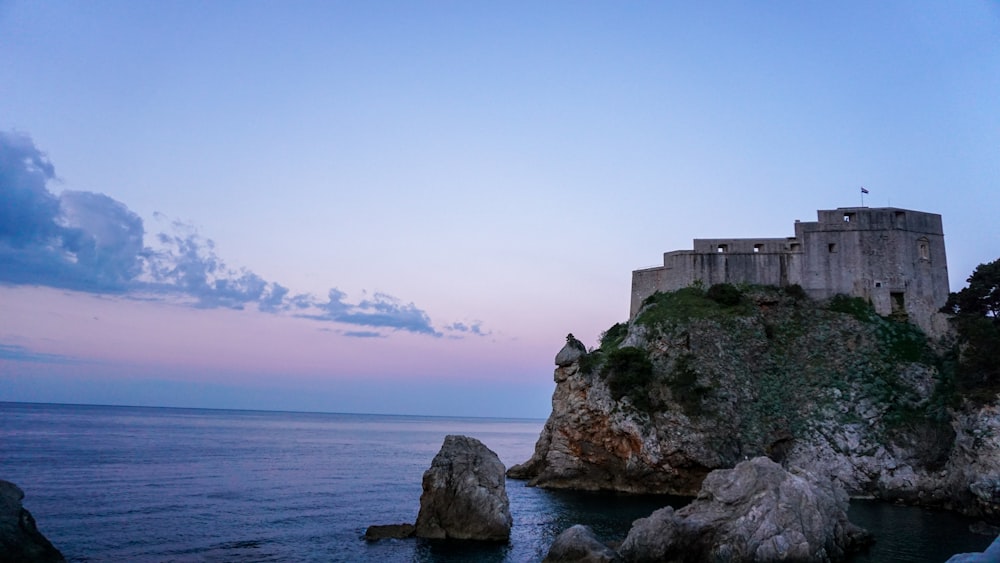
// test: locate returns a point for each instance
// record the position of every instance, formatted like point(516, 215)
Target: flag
point(864, 191)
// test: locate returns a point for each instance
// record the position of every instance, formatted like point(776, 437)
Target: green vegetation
point(796, 292)
point(685, 387)
point(724, 294)
point(693, 302)
point(591, 360)
point(977, 320)
point(902, 341)
point(768, 361)
point(781, 365)
point(629, 372)
point(982, 297)
point(613, 337)
point(855, 306)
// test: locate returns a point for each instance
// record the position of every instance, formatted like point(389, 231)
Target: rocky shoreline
point(756, 511)
point(679, 398)
point(859, 400)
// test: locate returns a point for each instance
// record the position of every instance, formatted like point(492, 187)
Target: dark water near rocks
point(156, 484)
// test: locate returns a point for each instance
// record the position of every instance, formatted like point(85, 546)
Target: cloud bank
point(22, 354)
point(87, 241)
point(78, 240)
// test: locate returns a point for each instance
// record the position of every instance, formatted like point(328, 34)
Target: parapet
point(893, 257)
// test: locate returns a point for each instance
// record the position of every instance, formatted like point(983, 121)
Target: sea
point(113, 483)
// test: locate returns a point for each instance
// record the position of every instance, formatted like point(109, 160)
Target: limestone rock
point(589, 443)
point(20, 539)
point(780, 376)
point(389, 531)
point(571, 352)
point(578, 544)
point(755, 512)
point(464, 494)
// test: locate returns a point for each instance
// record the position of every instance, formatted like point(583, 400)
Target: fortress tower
point(893, 257)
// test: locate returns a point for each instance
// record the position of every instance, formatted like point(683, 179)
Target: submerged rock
point(754, 512)
point(389, 532)
point(20, 539)
point(578, 544)
point(464, 494)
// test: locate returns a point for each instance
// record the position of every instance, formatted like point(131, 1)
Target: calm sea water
point(158, 484)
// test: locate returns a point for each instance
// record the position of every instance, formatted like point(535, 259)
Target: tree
point(977, 320)
point(982, 297)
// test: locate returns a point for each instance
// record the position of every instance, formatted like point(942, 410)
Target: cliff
point(701, 380)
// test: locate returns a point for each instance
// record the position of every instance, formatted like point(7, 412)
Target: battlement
point(895, 258)
point(876, 218)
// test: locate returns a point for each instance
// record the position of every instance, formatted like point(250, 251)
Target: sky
point(404, 207)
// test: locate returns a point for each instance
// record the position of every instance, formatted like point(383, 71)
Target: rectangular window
point(832, 247)
point(848, 217)
point(723, 248)
point(758, 247)
point(878, 284)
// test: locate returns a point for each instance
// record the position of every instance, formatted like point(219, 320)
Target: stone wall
point(893, 257)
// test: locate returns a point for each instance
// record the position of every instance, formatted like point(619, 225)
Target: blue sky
point(404, 207)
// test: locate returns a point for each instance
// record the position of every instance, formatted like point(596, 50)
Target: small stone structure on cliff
point(893, 257)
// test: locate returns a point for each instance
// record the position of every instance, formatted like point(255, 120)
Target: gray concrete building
point(894, 258)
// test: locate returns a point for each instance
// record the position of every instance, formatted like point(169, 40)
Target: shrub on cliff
point(629, 372)
point(683, 303)
point(796, 292)
point(591, 360)
point(613, 337)
point(725, 294)
point(855, 306)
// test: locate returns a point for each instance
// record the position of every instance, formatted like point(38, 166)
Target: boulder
point(571, 352)
point(20, 539)
point(578, 544)
point(464, 494)
point(755, 512)
point(389, 532)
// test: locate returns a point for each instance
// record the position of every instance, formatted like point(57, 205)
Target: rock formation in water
point(389, 532)
point(578, 544)
point(20, 540)
point(700, 380)
point(464, 494)
point(756, 512)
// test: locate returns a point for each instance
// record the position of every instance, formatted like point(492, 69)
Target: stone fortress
point(892, 257)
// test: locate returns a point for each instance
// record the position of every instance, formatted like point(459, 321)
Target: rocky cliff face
point(701, 380)
point(20, 539)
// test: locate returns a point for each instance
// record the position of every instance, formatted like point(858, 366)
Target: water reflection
point(904, 534)
point(907, 534)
